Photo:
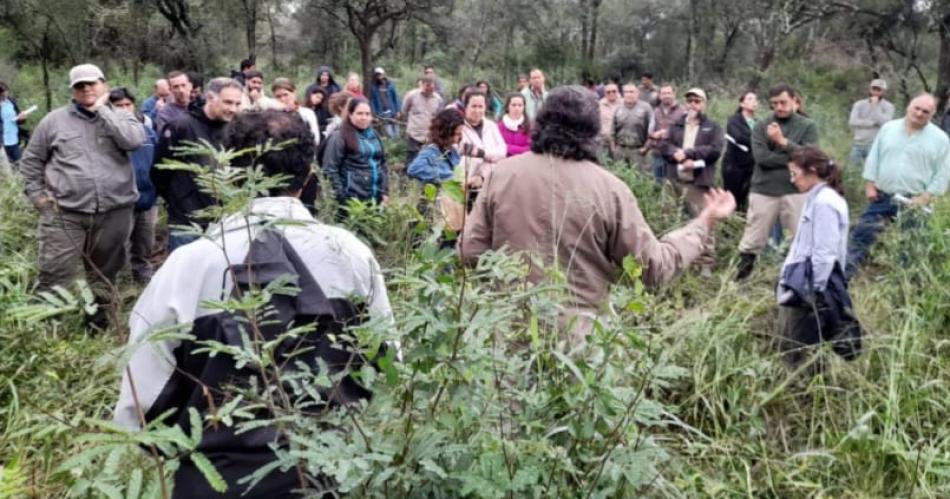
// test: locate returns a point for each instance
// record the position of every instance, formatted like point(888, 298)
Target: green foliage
point(480, 393)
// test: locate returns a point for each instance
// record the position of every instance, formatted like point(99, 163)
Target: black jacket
point(708, 147)
point(735, 158)
point(201, 378)
point(178, 188)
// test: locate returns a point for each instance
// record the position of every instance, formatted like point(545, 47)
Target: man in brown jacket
point(558, 204)
point(78, 175)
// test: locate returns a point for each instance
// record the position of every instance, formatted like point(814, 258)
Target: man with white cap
point(384, 101)
point(78, 175)
point(867, 117)
point(693, 145)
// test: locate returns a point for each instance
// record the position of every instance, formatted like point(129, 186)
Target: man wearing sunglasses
point(79, 177)
point(693, 146)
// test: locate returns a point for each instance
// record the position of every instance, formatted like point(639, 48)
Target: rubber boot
point(746, 264)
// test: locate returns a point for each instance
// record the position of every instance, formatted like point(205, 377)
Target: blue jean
point(177, 240)
point(870, 225)
point(13, 152)
point(858, 154)
point(659, 167)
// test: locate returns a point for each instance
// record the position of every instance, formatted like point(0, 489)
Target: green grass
point(740, 424)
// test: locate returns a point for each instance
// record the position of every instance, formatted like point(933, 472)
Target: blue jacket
point(142, 165)
point(432, 166)
point(376, 100)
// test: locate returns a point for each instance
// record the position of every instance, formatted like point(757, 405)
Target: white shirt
point(341, 264)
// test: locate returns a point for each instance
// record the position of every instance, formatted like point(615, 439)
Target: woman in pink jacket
point(515, 127)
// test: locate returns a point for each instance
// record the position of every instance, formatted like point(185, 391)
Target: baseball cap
point(698, 92)
point(84, 73)
point(379, 71)
point(879, 83)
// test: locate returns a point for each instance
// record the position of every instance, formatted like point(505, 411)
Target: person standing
point(384, 100)
point(608, 106)
point(668, 112)
point(630, 129)
point(354, 160)
point(738, 161)
point(285, 92)
point(815, 307)
point(495, 107)
point(535, 94)
point(10, 119)
point(77, 174)
point(156, 101)
point(142, 239)
point(482, 145)
point(908, 165)
point(418, 108)
point(648, 91)
point(522, 83)
point(691, 151)
point(771, 195)
point(559, 205)
point(181, 86)
point(429, 72)
point(867, 117)
point(184, 199)
point(254, 97)
point(325, 81)
point(515, 128)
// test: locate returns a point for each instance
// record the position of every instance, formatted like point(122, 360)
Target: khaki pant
point(97, 242)
point(695, 200)
point(632, 156)
point(142, 242)
point(763, 210)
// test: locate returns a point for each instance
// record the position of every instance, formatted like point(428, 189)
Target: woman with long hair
point(315, 98)
point(515, 127)
point(285, 91)
point(814, 305)
point(494, 103)
point(482, 145)
point(354, 85)
point(354, 160)
point(737, 162)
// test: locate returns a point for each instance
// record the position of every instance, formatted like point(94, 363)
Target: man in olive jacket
point(772, 195)
point(79, 177)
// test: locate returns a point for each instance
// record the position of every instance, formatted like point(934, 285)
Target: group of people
point(530, 162)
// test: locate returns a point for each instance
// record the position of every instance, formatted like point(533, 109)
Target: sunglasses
point(83, 84)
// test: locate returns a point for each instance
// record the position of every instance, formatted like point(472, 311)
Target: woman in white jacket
point(482, 145)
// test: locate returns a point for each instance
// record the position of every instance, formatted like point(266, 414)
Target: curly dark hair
point(443, 127)
point(567, 125)
point(255, 128)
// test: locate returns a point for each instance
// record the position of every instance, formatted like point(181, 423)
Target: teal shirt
point(899, 163)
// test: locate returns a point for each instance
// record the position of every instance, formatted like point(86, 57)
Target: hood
point(323, 69)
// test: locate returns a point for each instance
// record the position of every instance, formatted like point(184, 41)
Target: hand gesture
point(719, 204)
point(774, 132)
point(870, 191)
point(101, 101)
point(679, 156)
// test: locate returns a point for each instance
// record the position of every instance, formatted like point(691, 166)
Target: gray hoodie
point(867, 118)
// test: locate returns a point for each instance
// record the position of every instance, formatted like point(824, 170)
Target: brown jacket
point(578, 216)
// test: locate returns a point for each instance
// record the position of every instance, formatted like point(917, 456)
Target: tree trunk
point(366, 60)
point(943, 60)
point(250, 26)
point(594, 15)
point(273, 39)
